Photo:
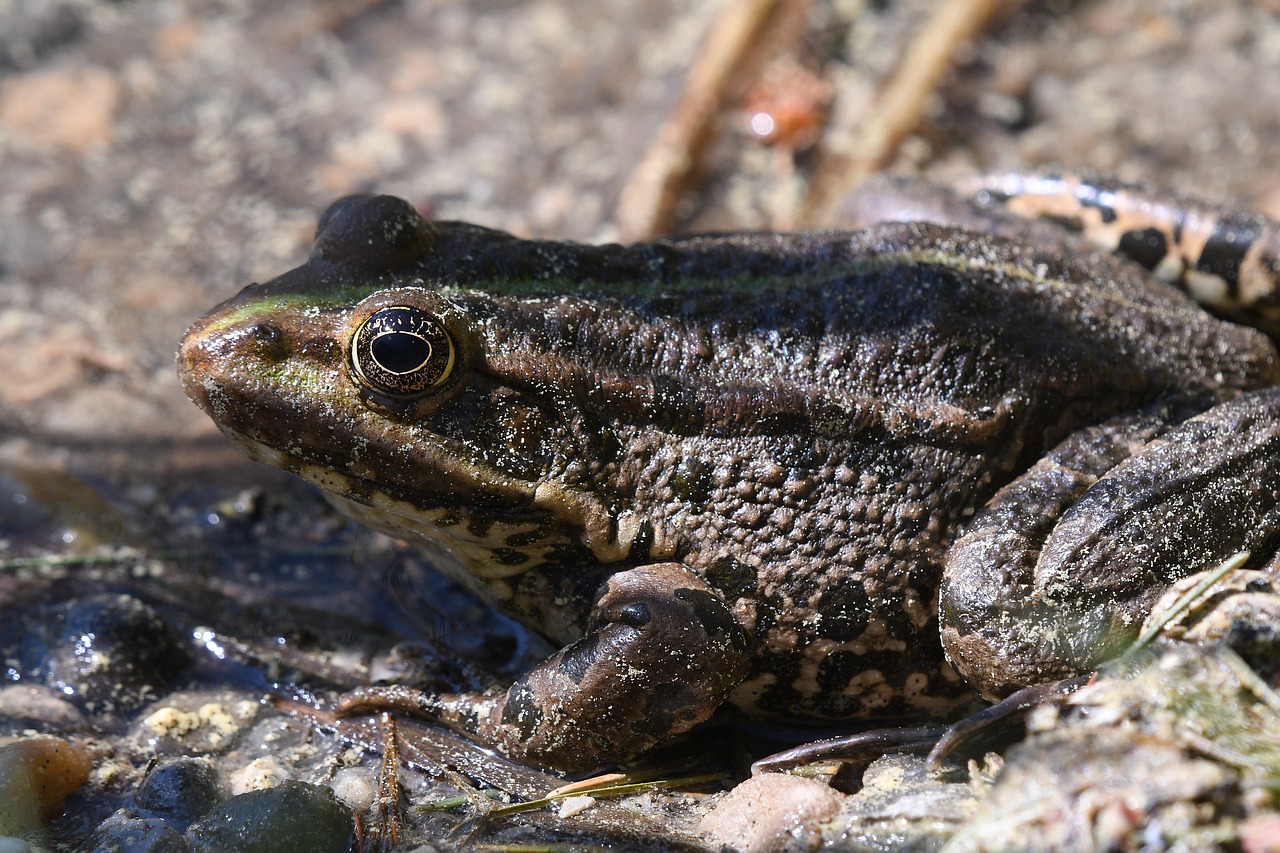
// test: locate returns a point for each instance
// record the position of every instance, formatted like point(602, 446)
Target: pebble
point(36, 776)
point(771, 812)
point(293, 817)
point(41, 705)
point(179, 790)
point(125, 832)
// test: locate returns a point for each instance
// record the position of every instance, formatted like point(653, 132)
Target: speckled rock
point(1242, 611)
point(1170, 749)
point(36, 776)
point(772, 811)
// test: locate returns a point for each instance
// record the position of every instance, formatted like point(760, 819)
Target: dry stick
point(900, 107)
point(648, 200)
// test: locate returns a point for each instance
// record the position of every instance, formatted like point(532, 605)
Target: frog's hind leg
point(1057, 572)
point(1227, 259)
point(661, 653)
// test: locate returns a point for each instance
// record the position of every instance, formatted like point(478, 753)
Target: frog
point(837, 477)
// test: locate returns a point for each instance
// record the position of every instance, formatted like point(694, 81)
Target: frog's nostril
point(269, 341)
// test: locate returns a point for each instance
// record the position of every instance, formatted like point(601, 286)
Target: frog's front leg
point(661, 652)
point(1056, 574)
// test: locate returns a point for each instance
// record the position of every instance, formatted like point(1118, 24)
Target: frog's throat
point(607, 535)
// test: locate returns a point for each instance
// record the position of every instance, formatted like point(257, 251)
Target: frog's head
point(361, 373)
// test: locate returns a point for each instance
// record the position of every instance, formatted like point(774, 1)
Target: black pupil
point(400, 352)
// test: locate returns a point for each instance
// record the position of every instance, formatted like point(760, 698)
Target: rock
point(770, 812)
point(180, 791)
point(292, 817)
point(36, 776)
point(109, 652)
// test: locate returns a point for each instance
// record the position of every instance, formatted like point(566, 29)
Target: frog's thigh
point(661, 653)
point(1057, 572)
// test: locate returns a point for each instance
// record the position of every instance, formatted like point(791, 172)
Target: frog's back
point(900, 317)
point(818, 413)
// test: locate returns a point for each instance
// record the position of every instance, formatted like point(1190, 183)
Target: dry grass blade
point(1192, 595)
point(649, 197)
point(876, 137)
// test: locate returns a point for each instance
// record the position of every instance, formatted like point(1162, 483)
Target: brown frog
point(823, 476)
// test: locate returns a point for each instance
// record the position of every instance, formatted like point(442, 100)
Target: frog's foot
point(1057, 572)
point(661, 653)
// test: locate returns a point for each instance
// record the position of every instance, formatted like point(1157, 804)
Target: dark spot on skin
point(509, 556)
point(479, 526)
point(522, 710)
point(636, 615)
point(608, 445)
point(1225, 250)
point(1071, 223)
point(713, 614)
point(1147, 246)
point(1107, 213)
point(778, 698)
point(844, 610)
point(837, 670)
point(1089, 196)
point(579, 657)
point(783, 423)
point(785, 666)
point(691, 481)
point(766, 619)
point(733, 578)
point(604, 442)
point(525, 538)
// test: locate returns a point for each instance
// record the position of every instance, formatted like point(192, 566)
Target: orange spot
point(788, 106)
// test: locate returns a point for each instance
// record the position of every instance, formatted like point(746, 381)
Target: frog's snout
point(217, 359)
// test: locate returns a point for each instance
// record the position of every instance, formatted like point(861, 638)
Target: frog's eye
point(402, 352)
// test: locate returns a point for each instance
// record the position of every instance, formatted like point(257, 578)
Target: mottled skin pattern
point(732, 468)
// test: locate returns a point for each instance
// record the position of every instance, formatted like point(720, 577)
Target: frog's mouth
point(488, 542)
point(400, 477)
